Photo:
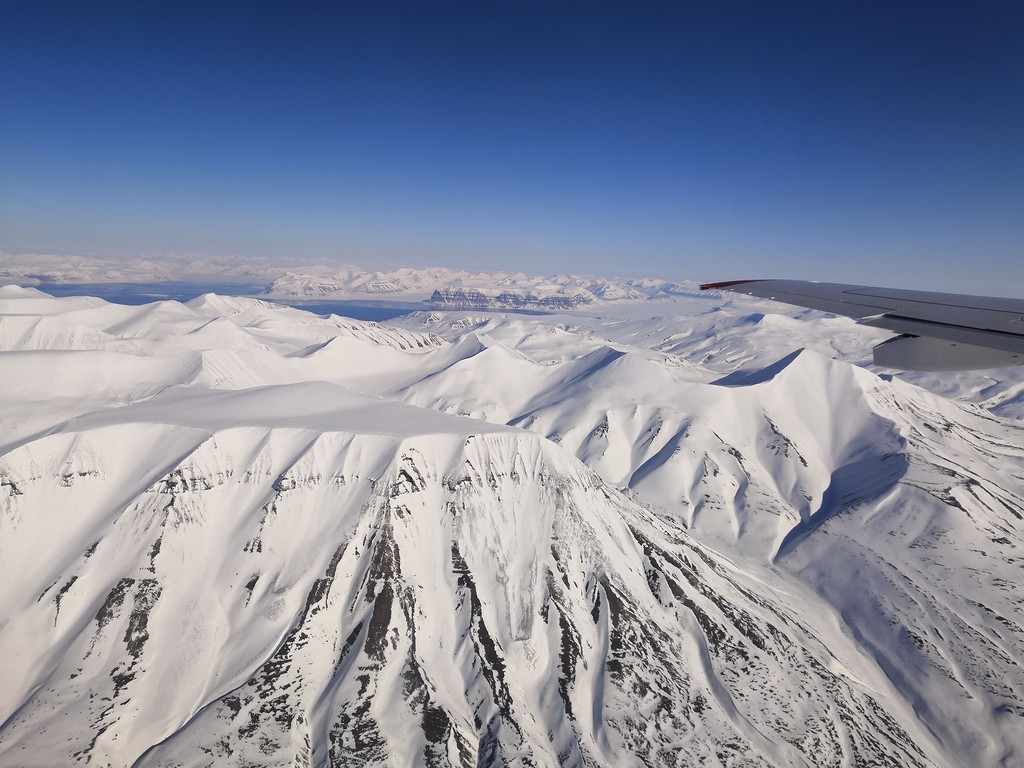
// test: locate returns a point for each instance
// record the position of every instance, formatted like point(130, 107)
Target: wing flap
point(1007, 342)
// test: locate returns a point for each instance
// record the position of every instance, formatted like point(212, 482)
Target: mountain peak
point(267, 537)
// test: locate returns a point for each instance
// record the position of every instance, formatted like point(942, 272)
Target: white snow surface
point(234, 533)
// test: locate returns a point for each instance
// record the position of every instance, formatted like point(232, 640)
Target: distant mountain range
point(469, 290)
point(462, 289)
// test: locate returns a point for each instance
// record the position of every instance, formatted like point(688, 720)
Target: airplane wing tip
point(724, 284)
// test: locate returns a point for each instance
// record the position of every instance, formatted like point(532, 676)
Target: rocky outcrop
point(470, 298)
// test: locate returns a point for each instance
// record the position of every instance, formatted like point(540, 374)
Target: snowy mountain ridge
point(235, 533)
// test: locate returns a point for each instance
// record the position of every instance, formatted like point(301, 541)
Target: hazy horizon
point(215, 268)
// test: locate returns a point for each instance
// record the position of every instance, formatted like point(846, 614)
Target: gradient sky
point(862, 142)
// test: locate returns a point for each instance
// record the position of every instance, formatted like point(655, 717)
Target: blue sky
point(863, 142)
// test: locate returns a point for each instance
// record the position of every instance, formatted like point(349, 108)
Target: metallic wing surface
point(938, 331)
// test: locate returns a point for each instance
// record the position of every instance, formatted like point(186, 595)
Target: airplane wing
point(938, 331)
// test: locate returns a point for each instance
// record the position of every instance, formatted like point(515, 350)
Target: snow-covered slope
point(261, 595)
point(809, 468)
point(720, 334)
point(238, 534)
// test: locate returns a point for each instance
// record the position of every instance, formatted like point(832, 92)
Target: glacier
point(236, 533)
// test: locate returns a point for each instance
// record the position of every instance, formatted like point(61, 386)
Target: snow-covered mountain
point(462, 289)
point(235, 533)
point(720, 335)
point(463, 298)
